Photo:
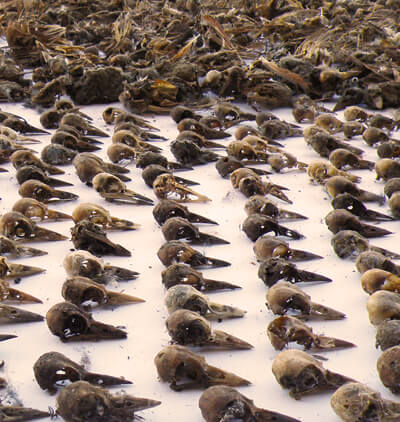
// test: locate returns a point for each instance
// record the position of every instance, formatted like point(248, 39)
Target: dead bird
point(14, 249)
point(394, 204)
point(91, 237)
point(7, 148)
point(99, 215)
point(166, 186)
point(258, 151)
point(188, 153)
point(383, 305)
point(224, 402)
point(387, 334)
point(112, 188)
point(12, 315)
point(88, 166)
point(231, 115)
point(87, 293)
point(337, 185)
point(286, 329)
point(356, 113)
point(44, 193)
point(35, 210)
point(305, 110)
point(245, 130)
point(14, 136)
point(274, 269)
point(352, 204)
point(392, 186)
point(31, 172)
point(188, 328)
point(89, 140)
point(147, 158)
point(329, 123)
point(108, 167)
point(270, 94)
point(250, 183)
point(373, 259)
point(266, 116)
point(82, 125)
point(354, 400)
point(23, 158)
point(377, 279)
point(350, 243)
point(267, 246)
point(16, 226)
point(199, 140)
point(83, 263)
point(183, 296)
point(70, 323)
point(281, 161)
point(115, 115)
point(9, 270)
point(121, 153)
point(390, 149)
point(279, 129)
point(181, 112)
point(50, 119)
point(145, 135)
point(201, 129)
point(373, 136)
point(70, 141)
point(283, 297)
point(178, 228)
point(244, 151)
point(168, 208)
point(152, 171)
point(55, 154)
point(19, 124)
point(81, 398)
point(52, 369)
point(304, 113)
point(387, 169)
point(226, 165)
point(125, 154)
point(209, 121)
point(9, 294)
point(380, 121)
point(184, 274)
point(342, 219)
point(129, 138)
point(324, 143)
point(350, 97)
point(351, 129)
point(184, 369)
point(292, 367)
point(256, 225)
point(258, 204)
point(20, 413)
point(344, 159)
point(174, 252)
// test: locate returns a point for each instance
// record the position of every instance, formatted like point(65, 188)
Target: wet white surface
point(145, 323)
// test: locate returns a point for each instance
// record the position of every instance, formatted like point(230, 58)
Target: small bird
point(273, 269)
point(175, 251)
point(168, 208)
point(185, 274)
point(53, 368)
point(44, 193)
point(70, 323)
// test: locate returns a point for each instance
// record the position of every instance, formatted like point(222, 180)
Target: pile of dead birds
point(153, 55)
point(194, 60)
